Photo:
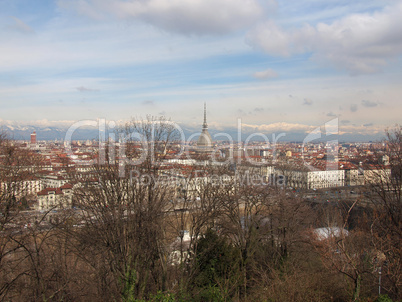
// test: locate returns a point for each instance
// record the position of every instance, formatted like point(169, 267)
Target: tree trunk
point(356, 292)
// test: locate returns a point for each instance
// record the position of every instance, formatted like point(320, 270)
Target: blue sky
point(277, 65)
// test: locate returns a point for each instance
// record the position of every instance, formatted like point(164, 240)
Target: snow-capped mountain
point(23, 132)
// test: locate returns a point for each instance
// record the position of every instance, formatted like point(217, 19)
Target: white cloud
point(367, 129)
point(270, 38)
point(266, 74)
point(358, 43)
point(280, 126)
point(344, 128)
point(185, 17)
point(37, 123)
point(68, 44)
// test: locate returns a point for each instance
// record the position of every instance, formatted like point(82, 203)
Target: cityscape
point(238, 150)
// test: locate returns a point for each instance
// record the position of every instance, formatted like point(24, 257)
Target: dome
point(205, 139)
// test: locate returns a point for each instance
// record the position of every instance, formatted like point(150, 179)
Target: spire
point(205, 125)
point(204, 141)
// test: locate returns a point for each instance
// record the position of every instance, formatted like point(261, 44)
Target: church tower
point(204, 142)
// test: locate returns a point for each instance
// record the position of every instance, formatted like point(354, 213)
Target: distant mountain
point(47, 133)
point(23, 132)
point(293, 136)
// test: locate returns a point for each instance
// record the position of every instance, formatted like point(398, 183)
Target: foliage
point(214, 259)
point(383, 298)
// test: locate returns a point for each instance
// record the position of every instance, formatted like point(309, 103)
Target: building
point(55, 198)
point(33, 138)
point(204, 143)
point(311, 177)
point(354, 175)
point(50, 180)
point(377, 174)
point(325, 179)
point(21, 188)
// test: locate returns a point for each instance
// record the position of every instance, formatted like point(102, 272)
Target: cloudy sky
point(279, 65)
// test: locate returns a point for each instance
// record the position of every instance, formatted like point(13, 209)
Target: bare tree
point(384, 190)
point(346, 252)
point(124, 234)
point(26, 265)
point(14, 169)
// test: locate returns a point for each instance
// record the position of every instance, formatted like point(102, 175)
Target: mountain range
point(44, 133)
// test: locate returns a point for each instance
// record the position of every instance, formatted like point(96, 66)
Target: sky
point(277, 65)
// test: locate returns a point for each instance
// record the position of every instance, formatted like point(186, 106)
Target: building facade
point(55, 198)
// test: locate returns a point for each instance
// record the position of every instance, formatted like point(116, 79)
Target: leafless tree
point(14, 164)
point(124, 214)
point(384, 187)
point(26, 265)
point(345, 252)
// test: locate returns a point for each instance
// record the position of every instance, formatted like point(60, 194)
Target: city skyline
point(280, 67)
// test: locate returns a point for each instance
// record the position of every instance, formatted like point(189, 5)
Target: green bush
point(383, 298)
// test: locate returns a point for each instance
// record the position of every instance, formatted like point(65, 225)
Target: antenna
point(205, 116)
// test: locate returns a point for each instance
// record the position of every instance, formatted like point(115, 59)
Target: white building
point(19, 189)
point(308, 177)
point(353, 176)
point(325, 179)
point(53, 181)
point(377, 175)
point(55, 198)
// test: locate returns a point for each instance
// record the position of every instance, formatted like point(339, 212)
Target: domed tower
point(204, 142)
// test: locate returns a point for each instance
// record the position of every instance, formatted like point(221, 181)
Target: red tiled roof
point(46, 191)
point(66, 186)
